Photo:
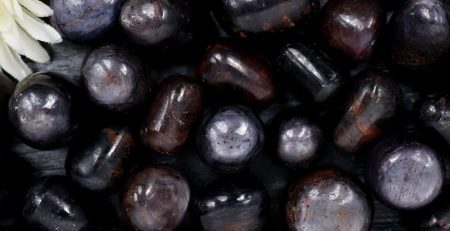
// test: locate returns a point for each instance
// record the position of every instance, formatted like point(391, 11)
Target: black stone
point(44, 110)
point(99, 161)
point(230, 138)
point(233, 204)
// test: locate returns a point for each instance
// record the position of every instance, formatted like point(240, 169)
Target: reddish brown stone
point(230, 72)
point(176, 107)
point(352, 26)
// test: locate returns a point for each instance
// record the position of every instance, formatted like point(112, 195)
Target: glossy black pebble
point(328, 200)
point(419, 32)
point(114, 78)
point(232, 204)
point(297, 140)
point(230, 138)
point(51, 206)
point(98, 162)
point(43, 109)
point(404, 173)
point(82, 21)
point(310, 70)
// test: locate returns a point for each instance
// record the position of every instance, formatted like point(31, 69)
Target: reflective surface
point(227, 70)
point(230, 138)
point(372, 102)
point(97, 162)
point(44, 111)
point(114, 78)
point(298, 141)
point(153, 22)
point(254, 16)
point(156, 199)
point(328, 200)
point(419, 33)
point(177, 105)
point(85, 20)
point(233, 204)
point(309, 69)
point(352, 27)
point(50, 205)
point(404, 173)
point(435, 113)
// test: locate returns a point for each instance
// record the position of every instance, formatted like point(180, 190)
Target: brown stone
point(177, 105)
point(352, 27)
point(232, 73)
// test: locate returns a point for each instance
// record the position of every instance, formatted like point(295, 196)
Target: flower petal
point(13, 7)
point(37, 8)
point(38, 29)
point(6, 19)
point(8, 6)
point(21, 42)
point(12, 63)
point(17, 8)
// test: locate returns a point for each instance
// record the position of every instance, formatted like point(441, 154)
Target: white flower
point(20, 30)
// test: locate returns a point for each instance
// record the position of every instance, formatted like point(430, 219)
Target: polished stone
point(114, 78)
point(175, 109)
point(352, 27)
point(310, 70)
point(419, 32)
point(230, 138)
point(82, 21)
point(157, 22)
point(98, 161)
point(404, 173)
point(233, 204)
point(44, 110)
point(298, 140)
point(373, 101)
point(256, 16)
point(50, 205)
point(229, 71)
point(156, 199)
point(328, 200)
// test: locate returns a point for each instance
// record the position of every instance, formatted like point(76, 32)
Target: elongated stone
point(373, 101)
point(172, 114)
